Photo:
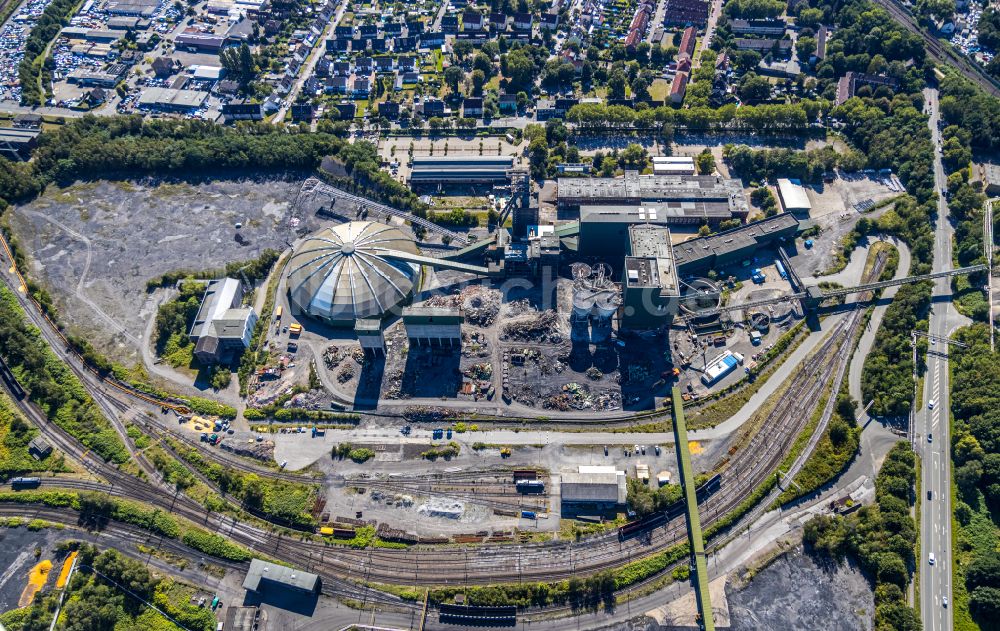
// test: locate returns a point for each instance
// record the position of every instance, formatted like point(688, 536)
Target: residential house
point(344, 111)
point(821, 37)
point(850, 82)
point(303, 112)
point(164, 67)
point(688, 41)
point(473, 20)
point(432, 107)
point(472, 107)
point(507, 104)
point(449, 24)
point(498, 22)
point(339, 84)
point(240, 110)
point(406, 64)
point(523, 21)
point(432, 40)
point(765, 45)
point(323, 67)
point(545, 109)
point(406, 44)
point(361, 88)
point(772, 28)
point(388, 110)
point(686, 13)
point(678, 88)
point(550, 21)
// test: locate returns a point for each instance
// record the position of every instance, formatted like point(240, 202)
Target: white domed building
point(353, 271)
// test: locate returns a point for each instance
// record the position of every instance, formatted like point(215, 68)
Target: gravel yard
point(795, 592)
point(95, 244)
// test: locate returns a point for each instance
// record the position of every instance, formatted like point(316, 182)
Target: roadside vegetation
point(834, 451)
point(975, 448)
point(98, 509)
point(645, 501)
point(880, 537)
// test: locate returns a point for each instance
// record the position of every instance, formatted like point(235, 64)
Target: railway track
point(940, 51)
point(528, 562)
point(484, 564)
point(126, 533)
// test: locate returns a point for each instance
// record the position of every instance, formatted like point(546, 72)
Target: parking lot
point(13, 36)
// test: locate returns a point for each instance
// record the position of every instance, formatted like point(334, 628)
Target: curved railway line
point(741, 473)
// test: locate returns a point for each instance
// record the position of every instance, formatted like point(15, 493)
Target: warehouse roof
point(451, 168)
point(662, 212)
point(604, 488)
point(752, 235)
point(650, 187)
point(793, 195)
point(261, 572)
point(18, 136)
point(167, 97)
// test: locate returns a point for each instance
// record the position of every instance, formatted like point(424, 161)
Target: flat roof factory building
point(264, 576)
point(732, 246)
point(673, 165)
point(594, 485)
point(678, 199)
point(435, 170)
point(650, 288)
point(793, 197)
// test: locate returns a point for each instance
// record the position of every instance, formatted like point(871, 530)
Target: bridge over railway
point(812, 296)
point(700, 574)
point(316, 187)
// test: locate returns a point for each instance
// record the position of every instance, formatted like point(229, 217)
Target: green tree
point(239, 64)
point(478, 81)
point(453, 77)
point(705, 162)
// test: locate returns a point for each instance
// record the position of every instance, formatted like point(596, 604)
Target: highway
point(931, 424)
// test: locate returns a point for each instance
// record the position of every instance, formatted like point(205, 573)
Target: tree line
point(51, 385)
point(766, 117)
point(30, 70)
point(975, 450)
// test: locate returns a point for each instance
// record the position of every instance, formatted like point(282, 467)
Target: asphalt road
point(931, 426)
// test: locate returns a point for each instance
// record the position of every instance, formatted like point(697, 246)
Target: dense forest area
point(880, 537)
point(128, 146)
